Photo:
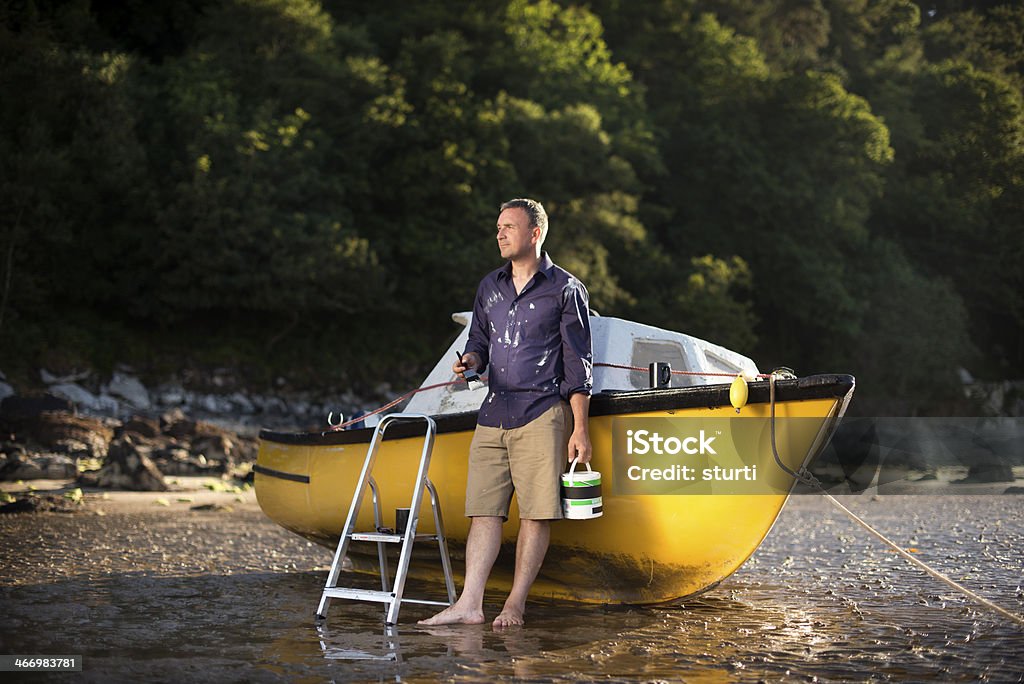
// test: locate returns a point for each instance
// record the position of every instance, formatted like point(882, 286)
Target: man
point(531, 326)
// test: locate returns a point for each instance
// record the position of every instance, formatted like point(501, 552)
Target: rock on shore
point(117, 433)
point(134, 454)
point(218, 397)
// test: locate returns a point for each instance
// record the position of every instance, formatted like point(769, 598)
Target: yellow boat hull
point(643, 549)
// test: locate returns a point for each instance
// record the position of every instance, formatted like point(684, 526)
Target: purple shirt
point(537, 343)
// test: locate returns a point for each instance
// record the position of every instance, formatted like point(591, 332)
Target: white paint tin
point(581, 494)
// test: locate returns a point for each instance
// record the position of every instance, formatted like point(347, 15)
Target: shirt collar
point(545, 267)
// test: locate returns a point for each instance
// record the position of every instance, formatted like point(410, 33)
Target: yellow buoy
point(738, 393)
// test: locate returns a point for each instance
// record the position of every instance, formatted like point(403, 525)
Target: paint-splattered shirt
point(537, 343)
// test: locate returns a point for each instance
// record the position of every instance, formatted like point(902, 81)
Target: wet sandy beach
point(154, 592)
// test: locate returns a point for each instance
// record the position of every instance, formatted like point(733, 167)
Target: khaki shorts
point(529, 460)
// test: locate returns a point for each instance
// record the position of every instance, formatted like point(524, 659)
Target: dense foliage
point(833, 185)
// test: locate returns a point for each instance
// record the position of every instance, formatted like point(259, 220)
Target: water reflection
point(346, 646)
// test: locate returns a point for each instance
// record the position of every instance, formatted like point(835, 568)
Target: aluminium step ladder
point(391, 596)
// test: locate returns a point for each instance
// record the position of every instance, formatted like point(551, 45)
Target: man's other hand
point(579, 446)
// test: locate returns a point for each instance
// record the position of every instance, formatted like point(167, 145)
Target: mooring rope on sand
point(804, 476)
point(928, 569)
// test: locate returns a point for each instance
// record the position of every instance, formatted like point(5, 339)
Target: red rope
point(391, 403)
point(400, 399)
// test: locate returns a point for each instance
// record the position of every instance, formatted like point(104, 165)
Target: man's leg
point(482, 546)
point(531, 547)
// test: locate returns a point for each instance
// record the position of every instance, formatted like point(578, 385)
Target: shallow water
point(208, 596)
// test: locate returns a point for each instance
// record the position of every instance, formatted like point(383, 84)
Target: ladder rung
point(425, 602)
point(389, 538)
point(361, 594)
point(378, 596)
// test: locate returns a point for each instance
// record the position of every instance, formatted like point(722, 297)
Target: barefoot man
point(531, 327)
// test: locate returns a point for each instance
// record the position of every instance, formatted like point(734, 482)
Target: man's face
point(515, 237)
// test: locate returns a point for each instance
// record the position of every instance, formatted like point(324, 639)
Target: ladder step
point(388, 538)
point(378, 596)
point(425, 602)
point(361, 594)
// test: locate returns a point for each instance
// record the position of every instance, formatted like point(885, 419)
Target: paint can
point(581, 493)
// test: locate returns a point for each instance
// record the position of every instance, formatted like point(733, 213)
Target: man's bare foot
point(508, 617)
point(456, 615)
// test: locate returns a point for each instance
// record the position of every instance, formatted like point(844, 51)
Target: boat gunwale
point(825, 386)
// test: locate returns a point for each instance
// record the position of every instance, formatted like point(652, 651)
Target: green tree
point(272, 114)
point(992, 40)
point(522, 99)
point(955, 198)
point(780, 170)
point(913, 338)
point(792, 34)
point(322, 179)
point(73, 188)
point(715, 302)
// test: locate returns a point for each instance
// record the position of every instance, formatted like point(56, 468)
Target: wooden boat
point(644, 548)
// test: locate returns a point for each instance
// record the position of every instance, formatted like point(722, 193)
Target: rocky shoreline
point(119, 434)
point(218, 397)
point(105, 453)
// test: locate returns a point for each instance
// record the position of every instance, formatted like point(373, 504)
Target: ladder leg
point(350, 521)
point(410, 530)
point(378, 522)
point(442, 542)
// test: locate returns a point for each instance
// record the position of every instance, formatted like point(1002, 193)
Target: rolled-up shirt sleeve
point(577, 347)
point(479, 333)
